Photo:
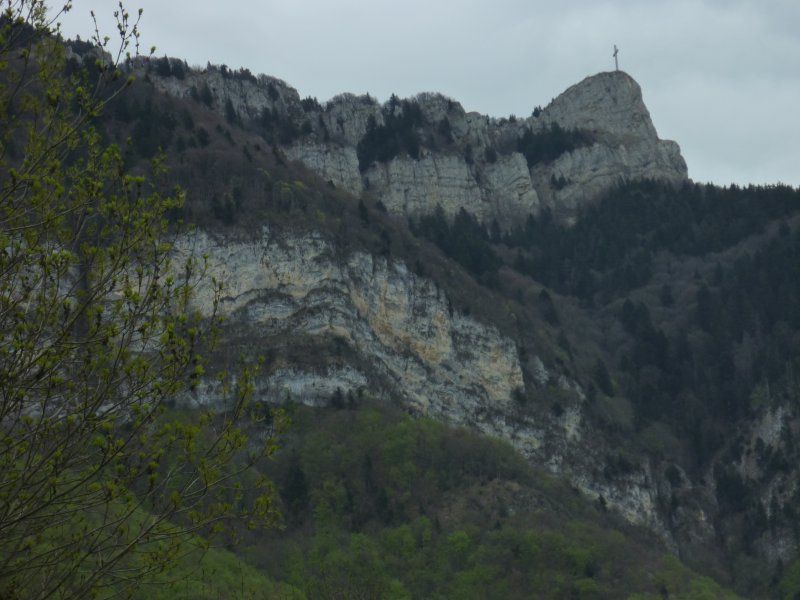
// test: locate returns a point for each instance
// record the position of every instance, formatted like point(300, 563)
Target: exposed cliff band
point(418, 153)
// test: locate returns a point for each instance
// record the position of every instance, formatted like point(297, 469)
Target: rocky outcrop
point(414, 187)
point(247, 94)
point(400, 326)
point(334, 163)
point(508, 188)
point(461, 160)
point(610, 107)
point(609, 104)
point(762, 460)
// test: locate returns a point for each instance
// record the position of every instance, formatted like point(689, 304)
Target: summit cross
point(616, 61)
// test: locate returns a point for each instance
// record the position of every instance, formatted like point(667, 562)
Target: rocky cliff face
point(457, 159)
point(610, 106)
point(398, 326)
point(368, 322)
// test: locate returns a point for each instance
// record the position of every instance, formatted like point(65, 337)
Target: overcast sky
point(720, 77)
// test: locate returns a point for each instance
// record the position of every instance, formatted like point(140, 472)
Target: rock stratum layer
point(455, 159)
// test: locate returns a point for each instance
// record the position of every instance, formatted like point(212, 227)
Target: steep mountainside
point(554, 281)
point(416, 153)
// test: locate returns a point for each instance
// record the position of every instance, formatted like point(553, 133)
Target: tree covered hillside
point(693, 286)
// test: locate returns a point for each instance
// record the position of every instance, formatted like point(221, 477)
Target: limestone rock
point(249, 96)
point(607, 103)
point(509, 189)
point(345, 120)
point(466, 160)
point(610, 107)
point(443, 364)
point(414, 187)
point(334, 163)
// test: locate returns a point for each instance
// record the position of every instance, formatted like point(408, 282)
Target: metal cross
point(616, 62)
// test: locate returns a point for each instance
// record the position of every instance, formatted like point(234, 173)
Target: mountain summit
point(610, 106)
point(609, 102)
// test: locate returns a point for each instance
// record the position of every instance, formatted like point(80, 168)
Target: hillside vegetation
point(695, 287)
point(377, 504)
